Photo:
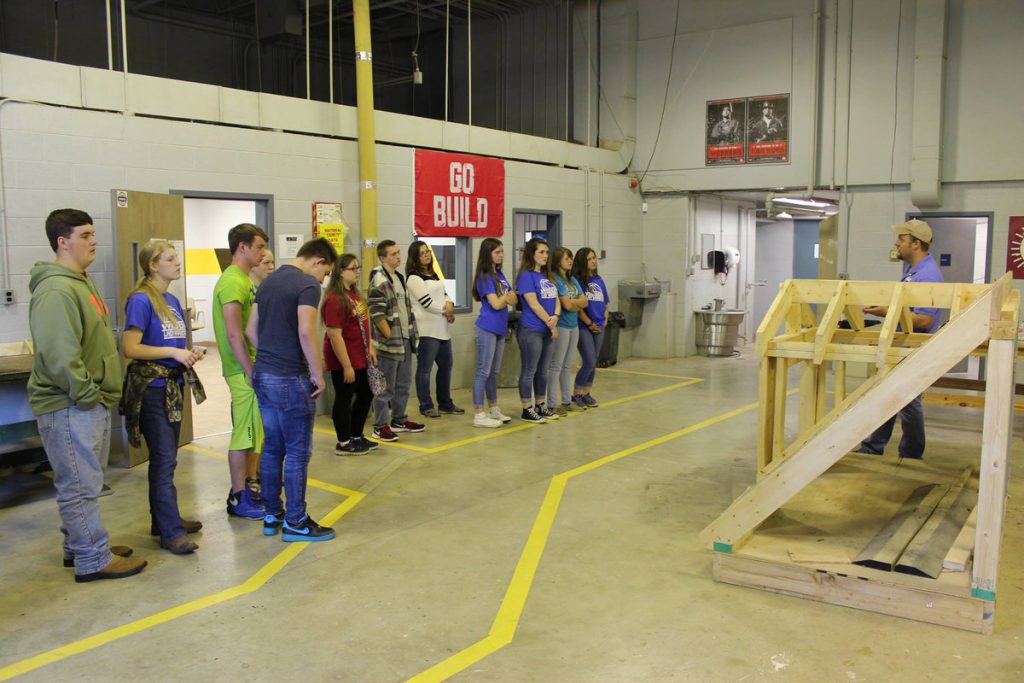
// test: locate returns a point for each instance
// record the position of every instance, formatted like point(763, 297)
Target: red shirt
point(334, 316)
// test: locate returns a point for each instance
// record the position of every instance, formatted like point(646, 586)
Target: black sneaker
point(370, 445)
point(453, 410)
point(531, 415)
point(306, 530)
point(351, 447)
point(546, 412)
point(407, 426)
point(272, 524)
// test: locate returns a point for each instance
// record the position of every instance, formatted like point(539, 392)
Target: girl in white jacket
point(434, 313)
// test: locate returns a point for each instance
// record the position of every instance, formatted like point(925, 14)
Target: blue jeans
point(561, 364)
point(287, 410)
point(162, 441)
point(393, 400)
point(77, 444)
point(912, 441)
point(589, 346)
point(534, 351)
point(429, 351)
point(489, 349)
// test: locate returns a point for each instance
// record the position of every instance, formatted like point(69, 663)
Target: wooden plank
point(766, 409)
point(874, 293)
point(846, 352)
point(959, 299)
point(854, 316)
point(960, 554)
point(829, 321)
point(907, 319)
point(924, 555)
point(891, 391)
point(962, 400)
point(839, 381)
point(835, 588)
point(995, 453)
point(779, 408)
point(820, 392)
point(883, 551)
point(774, 318)
point(969, 384)
point(808, 395)
point(888, 329)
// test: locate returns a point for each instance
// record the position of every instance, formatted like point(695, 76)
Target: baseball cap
point(914, 228)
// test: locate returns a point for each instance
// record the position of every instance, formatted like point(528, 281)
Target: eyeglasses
point(353, 269)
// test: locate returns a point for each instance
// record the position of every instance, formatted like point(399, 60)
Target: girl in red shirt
point(347, 354)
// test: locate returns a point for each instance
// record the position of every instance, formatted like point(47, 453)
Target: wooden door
point(137, 218)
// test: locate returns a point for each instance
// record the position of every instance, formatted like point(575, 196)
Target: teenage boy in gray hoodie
point(74, 387)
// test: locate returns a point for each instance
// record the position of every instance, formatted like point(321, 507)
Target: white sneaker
point(496, 414)
point(482, 420)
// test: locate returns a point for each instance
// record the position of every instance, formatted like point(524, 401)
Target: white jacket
point(428, 300)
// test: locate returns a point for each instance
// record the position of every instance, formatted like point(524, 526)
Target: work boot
point(180, 545)
point(116, 550)
point(117, 568)
point(191, 527)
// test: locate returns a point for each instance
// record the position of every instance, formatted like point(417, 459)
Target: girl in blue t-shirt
point(592, 322)
point(492, 290)
point(155, 334)
point(570, 296)
point(538, 325)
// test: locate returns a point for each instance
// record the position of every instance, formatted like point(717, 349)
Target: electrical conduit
point(366, 142)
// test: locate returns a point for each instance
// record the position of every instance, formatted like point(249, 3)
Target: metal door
point(138, 217)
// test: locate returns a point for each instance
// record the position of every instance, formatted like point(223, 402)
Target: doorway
point(208, 216)
point(530, 223)
point(960, 247)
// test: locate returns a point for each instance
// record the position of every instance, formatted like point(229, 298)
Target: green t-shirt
point(233, 285)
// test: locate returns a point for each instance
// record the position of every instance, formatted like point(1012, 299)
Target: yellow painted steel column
point(367, 152)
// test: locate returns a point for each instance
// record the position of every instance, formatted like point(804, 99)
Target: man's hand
point(879, 311)
point(317, 380)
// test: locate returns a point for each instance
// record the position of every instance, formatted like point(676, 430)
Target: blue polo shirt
point(926, 270)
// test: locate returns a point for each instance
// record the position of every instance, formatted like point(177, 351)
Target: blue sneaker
point(243, 504)
point(272, 524)
point(306, 530)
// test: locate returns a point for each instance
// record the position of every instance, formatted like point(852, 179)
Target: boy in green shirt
point(233, 296)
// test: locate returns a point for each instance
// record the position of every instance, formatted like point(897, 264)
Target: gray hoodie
point(76, 359)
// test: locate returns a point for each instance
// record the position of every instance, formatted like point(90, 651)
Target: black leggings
point(351, 404)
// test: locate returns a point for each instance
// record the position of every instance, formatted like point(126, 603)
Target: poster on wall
point(724, 132)
point(1015, 247)
point(459, 195)
point(768, 129)
point(329, 224)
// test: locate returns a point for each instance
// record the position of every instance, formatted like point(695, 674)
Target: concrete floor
point(608, 581)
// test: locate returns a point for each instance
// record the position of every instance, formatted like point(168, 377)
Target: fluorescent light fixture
point(802, 202)
point(783, 215)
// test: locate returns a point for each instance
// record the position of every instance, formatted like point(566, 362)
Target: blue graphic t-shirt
point(597, 300)
point(493, 320)
point(572, 289)
point(547, 294)
point(139, 313)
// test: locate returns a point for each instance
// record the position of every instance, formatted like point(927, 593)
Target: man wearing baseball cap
point(913, 240)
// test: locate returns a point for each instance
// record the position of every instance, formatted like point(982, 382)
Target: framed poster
point(725, 130)
point(1015, 247)
point(768, 129)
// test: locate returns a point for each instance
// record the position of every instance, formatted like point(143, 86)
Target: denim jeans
point(912, 441)
point(351, 404)
point(162, 441)
point(561, 364)
point(489, 349)
point(393, 400)
point(287, 410)
point(429, 351)
point(590, 346)
point(534, 351)
point(77, 444)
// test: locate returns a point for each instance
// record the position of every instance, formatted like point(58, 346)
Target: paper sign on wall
point(288, 246)
point(329, 224)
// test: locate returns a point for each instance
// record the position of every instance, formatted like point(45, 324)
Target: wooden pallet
point(983, 319)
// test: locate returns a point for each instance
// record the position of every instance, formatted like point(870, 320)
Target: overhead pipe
point(929, 89)
point(330, 49)
point(110, 38)
point(366, 141)
point(812, 163)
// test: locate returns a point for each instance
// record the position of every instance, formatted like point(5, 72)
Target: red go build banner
point(459, 195)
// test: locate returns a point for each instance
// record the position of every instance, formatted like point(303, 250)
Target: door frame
point(264, 205)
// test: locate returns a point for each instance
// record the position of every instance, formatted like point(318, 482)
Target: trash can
point(511, 363)
point(609, 353)
point(717, 332)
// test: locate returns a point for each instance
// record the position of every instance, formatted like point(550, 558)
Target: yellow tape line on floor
point(506, 621)
point(505, 431)
point(253, 583)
